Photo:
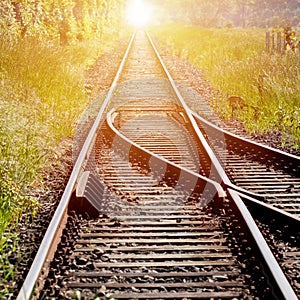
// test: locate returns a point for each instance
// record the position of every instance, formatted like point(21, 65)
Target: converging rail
point(165, 218)
point(270, 173)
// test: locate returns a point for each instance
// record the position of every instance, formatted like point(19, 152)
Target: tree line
point(64, 20)
point(261, 13)
point(71, 20)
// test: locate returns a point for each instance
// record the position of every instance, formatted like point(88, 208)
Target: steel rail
point(215, 162)
point(221, 193)
point(276, 273)
point(267, 208)
point(271, 262)
point(292, 160)
point(278, 276)
point(224, 179)
point(288, 158)
point(55, 226)
point(218, 188)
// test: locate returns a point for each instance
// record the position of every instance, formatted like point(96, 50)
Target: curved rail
point(276, 274)
point(126, 142)
point(289, 162)
point(217, 169)
point(55, 228)
point(280, 161)
point(293, 163)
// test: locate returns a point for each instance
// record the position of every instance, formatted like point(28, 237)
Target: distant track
point(169, 210)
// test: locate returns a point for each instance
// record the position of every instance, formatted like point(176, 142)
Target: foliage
point(45, 49)
point(231, 12)
point(64, 20)
point(42, 95)
point(235, 62)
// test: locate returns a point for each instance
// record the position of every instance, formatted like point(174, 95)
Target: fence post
point(279, 46)
point(273, 41)
point(268, 41)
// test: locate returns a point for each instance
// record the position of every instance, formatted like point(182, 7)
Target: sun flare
point(139, 13)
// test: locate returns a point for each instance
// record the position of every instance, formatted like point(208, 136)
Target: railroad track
point(160, 211)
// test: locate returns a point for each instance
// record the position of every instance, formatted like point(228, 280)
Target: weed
point(235, 62)
point(41, 96)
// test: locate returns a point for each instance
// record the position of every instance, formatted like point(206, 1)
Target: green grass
point(42, 95)
point(235, 62)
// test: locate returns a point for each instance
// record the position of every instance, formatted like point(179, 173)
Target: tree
point(67, 20)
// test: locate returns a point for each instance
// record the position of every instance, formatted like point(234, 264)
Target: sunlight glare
point(138, 13)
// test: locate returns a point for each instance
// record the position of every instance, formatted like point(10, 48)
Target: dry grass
point(236, 63)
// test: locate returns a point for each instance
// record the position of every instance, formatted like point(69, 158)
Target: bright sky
point(139, 13)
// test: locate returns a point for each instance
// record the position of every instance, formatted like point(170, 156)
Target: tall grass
point(42, 95)
point(235, 62)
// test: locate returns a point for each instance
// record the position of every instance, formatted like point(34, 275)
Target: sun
point(139, 13)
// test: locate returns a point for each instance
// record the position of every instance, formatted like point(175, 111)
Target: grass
point(235, 62)
point(42, 95)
